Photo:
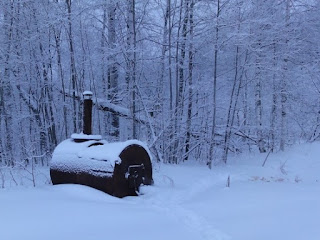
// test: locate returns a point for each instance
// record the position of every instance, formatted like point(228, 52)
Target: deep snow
point(188, 201)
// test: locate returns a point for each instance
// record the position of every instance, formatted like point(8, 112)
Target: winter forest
point(194, 79)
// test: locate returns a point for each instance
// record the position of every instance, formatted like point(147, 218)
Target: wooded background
point(195, 79)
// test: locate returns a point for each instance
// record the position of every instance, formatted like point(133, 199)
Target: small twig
point(265, 160)
point(2, 178)
point(13, 178)
point(228, 181)
point(282, 168)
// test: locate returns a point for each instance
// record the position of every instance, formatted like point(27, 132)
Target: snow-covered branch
point(105, 105)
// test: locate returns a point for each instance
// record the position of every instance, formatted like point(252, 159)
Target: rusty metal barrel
point(118, 168)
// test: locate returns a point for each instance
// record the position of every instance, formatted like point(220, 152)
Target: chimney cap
point(87, 94)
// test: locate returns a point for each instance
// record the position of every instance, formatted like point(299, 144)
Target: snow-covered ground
point(278, 201)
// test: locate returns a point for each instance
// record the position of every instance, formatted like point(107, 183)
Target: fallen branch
point(107, 106)
point(243, 135)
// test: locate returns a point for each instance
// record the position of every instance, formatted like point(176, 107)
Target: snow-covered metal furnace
point(117, 168)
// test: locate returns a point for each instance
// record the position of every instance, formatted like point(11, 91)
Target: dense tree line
point(196, 79)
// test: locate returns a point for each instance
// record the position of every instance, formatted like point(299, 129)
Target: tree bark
point(214, 90)
point(112, 68)
point(73, 68)
point(190, 82)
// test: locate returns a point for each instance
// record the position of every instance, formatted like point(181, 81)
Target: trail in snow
point(171, 201)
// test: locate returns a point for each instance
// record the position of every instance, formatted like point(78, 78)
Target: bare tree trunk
point(190, 84)
point(283, 131)
point(258, 109)
point(112, 69)
point(181, 68)
point(283, 84)
point(274, 104)
point(171, 84)
point(214, 110)
point(57, 35)
point(1, 119)
point(316, 132)
point(131, 62)
point(258, 99)
point(180, 79)
point(246, 109)
point(162, 84)
point(174, 132)
point(170, 56)
point(104, 79)
point(231, 110)
point(73, 68)
point(166, 46)
point(7, 106)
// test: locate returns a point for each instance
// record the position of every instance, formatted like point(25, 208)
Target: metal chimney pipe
point(87, 112)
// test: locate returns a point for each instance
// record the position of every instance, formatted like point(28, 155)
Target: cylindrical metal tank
point(115, 168)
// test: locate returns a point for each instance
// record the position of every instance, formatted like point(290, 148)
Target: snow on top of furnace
point(94, 157)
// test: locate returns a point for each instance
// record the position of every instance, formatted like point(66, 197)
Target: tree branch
point(105, 105)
